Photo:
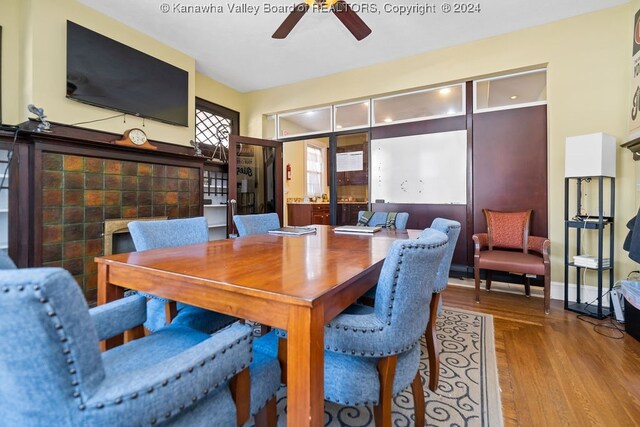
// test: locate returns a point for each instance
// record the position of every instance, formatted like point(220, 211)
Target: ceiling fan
point(340, 8)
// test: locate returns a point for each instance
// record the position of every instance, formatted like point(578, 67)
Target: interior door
point(352, 176)
point(255, 177)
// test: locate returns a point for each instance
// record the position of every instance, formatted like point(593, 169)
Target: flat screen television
point(109, 74)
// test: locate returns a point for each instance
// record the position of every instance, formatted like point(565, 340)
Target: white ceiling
point(236, 48)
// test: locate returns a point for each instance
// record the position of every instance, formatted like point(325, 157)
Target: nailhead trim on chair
point(390, 309)
point(178, 376)
point(63, 339)
point(449, 228)
point(67, 351)
point(75, 383)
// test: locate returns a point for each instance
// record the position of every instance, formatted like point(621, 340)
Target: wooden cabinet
point(307, 213)
point(348, 212)
point(320, 214)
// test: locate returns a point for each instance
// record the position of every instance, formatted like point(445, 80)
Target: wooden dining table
point(297, 283)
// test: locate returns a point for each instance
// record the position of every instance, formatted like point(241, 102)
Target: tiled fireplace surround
point(80, 192)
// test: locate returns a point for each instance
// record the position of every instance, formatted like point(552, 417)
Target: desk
point(297, 283)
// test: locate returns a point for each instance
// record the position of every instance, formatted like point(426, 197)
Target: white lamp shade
point(590, 155)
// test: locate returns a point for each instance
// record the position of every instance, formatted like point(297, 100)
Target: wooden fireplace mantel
point(61, 133)
point(64, 184)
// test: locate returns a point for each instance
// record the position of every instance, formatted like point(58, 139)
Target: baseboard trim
point(587, 293)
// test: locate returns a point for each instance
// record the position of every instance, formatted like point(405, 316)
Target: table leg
point(106, 293)
point(305, 366)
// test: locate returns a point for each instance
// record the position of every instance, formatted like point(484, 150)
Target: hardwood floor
point(556, 370)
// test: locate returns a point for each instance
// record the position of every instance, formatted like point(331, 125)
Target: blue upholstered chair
point(452, 230)
point(170, 233)
point(53, 373)
point(256, 224)
point(373, 353)
point(380, 219)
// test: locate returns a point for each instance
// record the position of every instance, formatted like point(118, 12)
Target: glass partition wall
point(309, 183)
point(351, 176)
point(331, 144)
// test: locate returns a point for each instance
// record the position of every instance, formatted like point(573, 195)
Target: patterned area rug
point(468, 393)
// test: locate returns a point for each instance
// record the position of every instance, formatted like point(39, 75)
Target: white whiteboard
point(429, 168)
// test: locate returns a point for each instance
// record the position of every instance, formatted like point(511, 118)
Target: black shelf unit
point(599, 223)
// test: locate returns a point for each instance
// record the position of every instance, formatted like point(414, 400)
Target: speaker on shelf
point(590, 155)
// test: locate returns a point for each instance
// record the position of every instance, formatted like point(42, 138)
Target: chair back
point(509, 230)
point(256, 223)
point(50, 362)
point(405, 287)
point(380, 219)
point(168, 233)
point(452, 230)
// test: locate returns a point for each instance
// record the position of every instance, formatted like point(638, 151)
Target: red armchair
point(507, 246)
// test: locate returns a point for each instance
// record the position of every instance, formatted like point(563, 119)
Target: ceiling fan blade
point(351, 20)
point(290, 21)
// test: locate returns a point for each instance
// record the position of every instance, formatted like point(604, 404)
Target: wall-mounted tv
point(109, 74)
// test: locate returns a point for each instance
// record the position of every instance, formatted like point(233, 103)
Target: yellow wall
point(220, 94)
point(34, 68)
point(10, 19)
point(293, 154)
point(588, 60)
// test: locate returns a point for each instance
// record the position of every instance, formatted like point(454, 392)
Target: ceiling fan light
point(445, 91)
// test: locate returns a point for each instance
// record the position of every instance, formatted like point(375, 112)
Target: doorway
point(307, 180)
point(255, 177)
point(351, 177)
point(327, 179)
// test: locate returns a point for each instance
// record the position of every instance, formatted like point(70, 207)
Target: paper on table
point(293, 231)
point(356, 229)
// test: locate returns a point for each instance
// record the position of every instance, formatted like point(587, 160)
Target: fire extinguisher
point(288, 172)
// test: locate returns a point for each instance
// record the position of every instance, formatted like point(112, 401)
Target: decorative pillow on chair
point(508, 229)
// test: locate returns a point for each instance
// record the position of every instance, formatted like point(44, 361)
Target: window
point(351, 116)
point(304, 122)
point(214, 124)
point(314, 170)
point(511, 91)
point(419, 105)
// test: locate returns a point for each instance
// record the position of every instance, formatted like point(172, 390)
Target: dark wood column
point(510, 165)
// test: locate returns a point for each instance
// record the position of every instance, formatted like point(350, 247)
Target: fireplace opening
point(117, 239)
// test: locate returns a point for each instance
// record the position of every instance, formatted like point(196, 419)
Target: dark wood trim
point(422, 127)
point(90, 137)
point(233, 181)
point(142, 156)
point(36, 232)
point(470, 226)
point(511, 165)
point(222, 111)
